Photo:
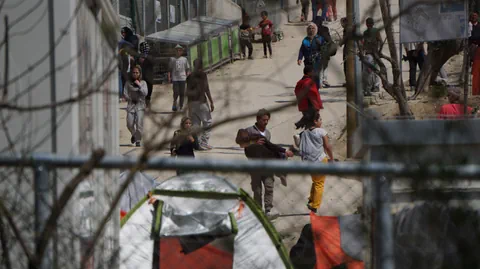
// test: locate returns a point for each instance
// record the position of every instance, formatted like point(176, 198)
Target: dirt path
point(247, 86)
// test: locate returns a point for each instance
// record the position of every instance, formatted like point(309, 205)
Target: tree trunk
point(438, 54)
point(398, 88)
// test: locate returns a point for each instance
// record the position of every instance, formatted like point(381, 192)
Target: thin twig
point(7, 60)
point(6, 214)
point(4, 242)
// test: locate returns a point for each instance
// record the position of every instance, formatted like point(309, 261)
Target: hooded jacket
point(307, 95)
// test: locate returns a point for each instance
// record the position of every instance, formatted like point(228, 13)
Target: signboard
point(443, 20)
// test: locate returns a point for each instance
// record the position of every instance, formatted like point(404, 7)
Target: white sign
point(172, 14)
point(440, 21)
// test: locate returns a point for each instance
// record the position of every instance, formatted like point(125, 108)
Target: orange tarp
point(207, 257)
point(327, 240)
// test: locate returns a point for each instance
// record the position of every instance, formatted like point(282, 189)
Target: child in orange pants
point(314, 147)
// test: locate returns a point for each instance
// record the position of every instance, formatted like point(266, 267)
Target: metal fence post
point(42, 209)
point(383, 244)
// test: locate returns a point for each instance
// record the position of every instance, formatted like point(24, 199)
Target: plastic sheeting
point(253, 247)
point(136, 191)
point(194, 223)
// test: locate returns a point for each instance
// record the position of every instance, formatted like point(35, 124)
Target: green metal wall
point(225, 46)
point(235, 40)
point(215, 50)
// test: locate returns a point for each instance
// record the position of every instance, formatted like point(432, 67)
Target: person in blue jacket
point(310, 51)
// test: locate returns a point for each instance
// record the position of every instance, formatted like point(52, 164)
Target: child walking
point(179, 71)
point(184, 142)
point(314, 147)
point(135, 92)
point(267, 31)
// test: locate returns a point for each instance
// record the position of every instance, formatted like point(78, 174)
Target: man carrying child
point(257, 150)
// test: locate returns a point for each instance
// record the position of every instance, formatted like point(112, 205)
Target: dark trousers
point(268, 184)
point(305, 6)
point(307, 117)
point(413, 61)
point(267, 42)
point(246, 43)
point(314, 10)
point(149, 94)
point(179, 91)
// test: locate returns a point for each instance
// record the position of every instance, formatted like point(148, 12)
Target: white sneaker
point(296, 140)
point(272, 214)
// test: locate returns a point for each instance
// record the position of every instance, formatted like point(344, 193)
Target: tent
point(140, 186)
point(199, 221)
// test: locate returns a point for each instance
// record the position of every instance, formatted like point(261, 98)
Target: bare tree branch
point(64, 198)
point(7, 61)
point(6, 214)
point(4, 242)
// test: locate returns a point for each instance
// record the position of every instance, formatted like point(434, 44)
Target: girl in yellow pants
point(314, 147)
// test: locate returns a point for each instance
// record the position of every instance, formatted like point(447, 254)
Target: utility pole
point(350, 62)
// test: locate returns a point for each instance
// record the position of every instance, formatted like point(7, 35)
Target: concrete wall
point(85, 58)
point(224, 9)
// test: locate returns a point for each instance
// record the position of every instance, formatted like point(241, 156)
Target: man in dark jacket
point(308, 97)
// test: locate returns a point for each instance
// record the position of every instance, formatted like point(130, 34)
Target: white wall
point(84, 61)
point(223, 9)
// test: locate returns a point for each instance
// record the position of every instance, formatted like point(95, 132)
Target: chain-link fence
point(211, 218)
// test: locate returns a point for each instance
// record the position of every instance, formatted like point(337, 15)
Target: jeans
point(413, 61)
point(201, 118)
point(267, 42)
point(323, 69)
point(178, 91)
point(120, 85)
point(314, 10)
point(267, 181)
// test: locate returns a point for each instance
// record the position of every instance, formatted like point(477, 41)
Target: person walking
point(135, 92)
point(372, 42)
point(125, 49)
point(305, 7)
point(267, 30)
point(327, 50)
point(184, 142)
point(308, 97)
point(474, 40)
point(343, 22)
point(415, 56)
point(310, 52)
point(198, 91)
point(259, 179)
point(246, 38)
point(146, 63)
point(315, 147)
point(179, 70)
